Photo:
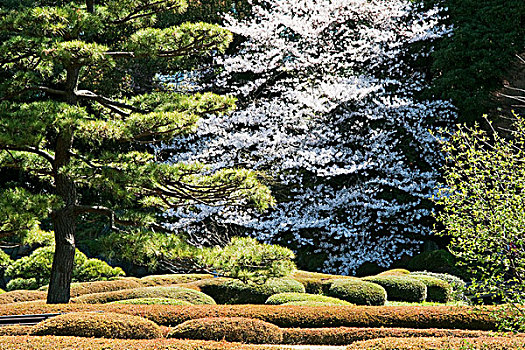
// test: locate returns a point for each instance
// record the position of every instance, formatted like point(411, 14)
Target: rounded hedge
point(401, 288)
point(394, 272)
point(457, 284)
point(228, 291)
point(358, 292)
point(232, 329)
point(312, 303)
point(16, 296)
point(152, 301)
point(288, 298)
point(438, 290)
point(98, 325)
point(164, 280)
point(191, 295)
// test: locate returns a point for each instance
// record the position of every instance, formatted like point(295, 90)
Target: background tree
point(484, 210)
point(79, 154)
point(329, 102)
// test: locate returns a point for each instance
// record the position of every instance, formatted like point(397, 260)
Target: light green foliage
point(483, 209)
point(294, 298)
point(457, 284)
point(33, 271)
point(248, 260)
point(400, 288)
point(437, 290)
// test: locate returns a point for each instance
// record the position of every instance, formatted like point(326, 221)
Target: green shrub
point(152, 301)
point(394, 272)
point(35, 269)
point(401, 288)
point(457, 284)
point(314, 282)
point(287, 298)
point(190, 295)
point(437, 290)
point(227, 291)
point(358, 292)
point(99, 325)
point(163, 280)
point(232, 329)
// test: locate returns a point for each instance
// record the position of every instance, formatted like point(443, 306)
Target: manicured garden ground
point(182, 312)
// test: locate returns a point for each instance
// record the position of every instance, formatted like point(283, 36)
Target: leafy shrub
point(50, 342)
point(347, 335)
point(358, 292)
point(233, 329)
point(162, 280)
point(99, 325)
point(190, 295)
point(401, 288)
point(437, 289)
point(440, 261)
point(482, 343)
point(314, 282)
point(394, 272)
point(152, 301)
point(35, 269)
point(237, 292)
point(17, 296)
point(286, 298)
point(463, 317)
point(457, 284)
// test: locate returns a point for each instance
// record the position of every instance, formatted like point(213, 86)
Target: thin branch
point(29, 149)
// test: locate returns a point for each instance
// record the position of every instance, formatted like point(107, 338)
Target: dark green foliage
point(438, 291)
point(33, 271)
point(190, 295)
point(232, 329)
point(401, 288)
point(457, 284)
point(358, 292)
point(287, 298)
point(237, 292)
point(441, 261)
point(315, 282)
point(471, 63)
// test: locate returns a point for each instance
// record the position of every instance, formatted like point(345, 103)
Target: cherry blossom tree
point(330, 106)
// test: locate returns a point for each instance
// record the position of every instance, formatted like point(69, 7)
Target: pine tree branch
point(109, 103)
point(29, 149)
point(136, 12)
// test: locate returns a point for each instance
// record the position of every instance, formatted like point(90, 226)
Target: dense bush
point(82, 288)
point(400, 288)
point(163, 280)
point(51, 342)
point(152, 301)
point(314, 282)
point(394, 272)
point(437, 290)
point(482, 343)
point(191, 295)
point(293, 316)
point(16, 296)
point(286, 298)
point(439, 261)
point(347, 335)
point(99, 325)
point(457, 284)
point(237, 292)
point(15, 330)
point(233, 329)
point(33, 271)
point(358, 292)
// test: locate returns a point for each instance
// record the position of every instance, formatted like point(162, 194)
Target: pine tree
point(83, 146)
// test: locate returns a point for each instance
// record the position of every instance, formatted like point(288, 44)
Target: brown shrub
point(316, 283)
point(99, 325)
point(164, 280)
point(70, 343)
point(16, 296)
point(459, 317)
point(233, 329)
point(83, 288)
point(347, 335)
point(483, 343)
point(15, 330)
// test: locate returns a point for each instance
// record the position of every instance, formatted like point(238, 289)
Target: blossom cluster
point(329, 107)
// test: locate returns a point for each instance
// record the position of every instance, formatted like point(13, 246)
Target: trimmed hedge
point(457, 317)
point(358, 292)
point(228, 291)
point(98, 325)
point(233, 329)
point(401, 288)
point(394, 272)
point(315, 282)
point(287, 298)
point(483, 343)
point(437, 290)
point(164, 280)
point(310, 303)
point(16, 296)
point(70, 343)
point(457, 284)
point(190, 295)
point(15, 330)
point(152, 301)
point(347, 335)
